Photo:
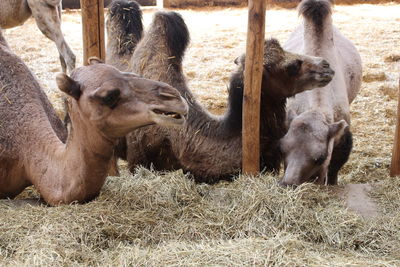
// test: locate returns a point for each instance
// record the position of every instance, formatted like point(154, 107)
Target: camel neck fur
point(75, 170)
point(318, 41)
point(318, 28)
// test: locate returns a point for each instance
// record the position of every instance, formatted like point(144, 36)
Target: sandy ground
point(152, 221)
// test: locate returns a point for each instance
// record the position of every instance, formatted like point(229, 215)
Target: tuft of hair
point(316, 11)
point(273, 53)
point(125, 17)
point(176, 31)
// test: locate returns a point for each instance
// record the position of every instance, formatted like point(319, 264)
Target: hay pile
point(157, 219)
point(154, 219)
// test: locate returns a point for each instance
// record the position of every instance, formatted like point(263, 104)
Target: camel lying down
point(104, 104)
point(207, 146)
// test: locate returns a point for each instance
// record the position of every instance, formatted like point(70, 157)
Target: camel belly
point(12, 181)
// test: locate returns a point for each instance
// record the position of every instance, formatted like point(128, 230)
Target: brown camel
point(47, 14)
point(105, 104)
point(208, 146)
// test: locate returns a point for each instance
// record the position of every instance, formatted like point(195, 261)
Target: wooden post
point(395, 165)
point(93, 29)
point(252, 87)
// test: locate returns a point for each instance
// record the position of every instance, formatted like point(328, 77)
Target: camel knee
point(67, 60)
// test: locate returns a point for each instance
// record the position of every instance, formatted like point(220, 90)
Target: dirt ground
point(217, 37)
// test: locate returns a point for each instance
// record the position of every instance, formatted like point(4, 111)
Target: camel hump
point(126, 19)
point(316, 11)
point(176, 31)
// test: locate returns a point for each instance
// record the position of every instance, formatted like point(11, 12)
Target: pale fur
point(318, 37)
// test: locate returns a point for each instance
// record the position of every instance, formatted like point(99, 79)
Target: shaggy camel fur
point(47, 14)
point(125, 29)
point(319, 142)
point(105, 104)
point(208, 146)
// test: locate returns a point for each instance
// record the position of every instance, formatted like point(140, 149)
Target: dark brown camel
point(105, 104)
point(208, 146)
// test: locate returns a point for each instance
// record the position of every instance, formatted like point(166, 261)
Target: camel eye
point(111, 98)
point(293, 68)
point(320, 160)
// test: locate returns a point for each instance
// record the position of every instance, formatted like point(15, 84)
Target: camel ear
point(336, 130)
point(132, 74)
point(94, 61)
point(68, 85)
point(240, 60)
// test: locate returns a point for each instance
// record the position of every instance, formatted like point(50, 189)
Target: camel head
point(286, 74)
point(118, 102)
point(307, 147)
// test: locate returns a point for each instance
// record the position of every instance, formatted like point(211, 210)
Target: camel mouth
point(283, 184)
point(324, 81)
point(325, 78)
point(173, 115)
point(167, 117)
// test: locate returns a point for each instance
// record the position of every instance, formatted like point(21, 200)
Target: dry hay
point(165, 219)
point(153, 219)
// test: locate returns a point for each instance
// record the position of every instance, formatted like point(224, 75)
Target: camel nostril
point(325, 64)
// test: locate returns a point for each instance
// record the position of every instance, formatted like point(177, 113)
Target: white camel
point(319, 141)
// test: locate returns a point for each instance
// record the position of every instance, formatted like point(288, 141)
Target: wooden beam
point(252, 87)
point(93, 29)
point(395, 165)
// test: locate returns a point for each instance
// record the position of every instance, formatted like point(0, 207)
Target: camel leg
point(113, 169)
point(47, 18)
point(62, 60)
point(340, 155)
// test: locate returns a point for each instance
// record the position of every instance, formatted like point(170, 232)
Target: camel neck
point(318, 38)
point(74, 171)
point(222, 127)
point(233, 117)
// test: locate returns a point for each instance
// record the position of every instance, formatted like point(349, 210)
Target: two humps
point(304, 118)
